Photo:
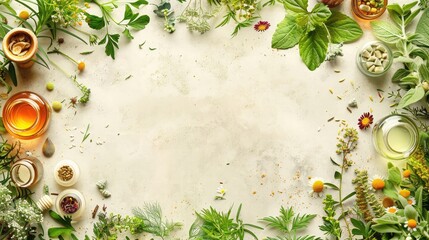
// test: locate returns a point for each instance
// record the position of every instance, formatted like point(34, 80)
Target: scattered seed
point(94, 212)
point(353, 103)
point(48, 148)
point(382, 98)
point(342, 80)
point(337, 71)
point(370, 110)
point(379, 95)
point(331, 91)
point(370, 98)
point(339, 97)
point(332, 118)
point(393, 105)
point(348, 109)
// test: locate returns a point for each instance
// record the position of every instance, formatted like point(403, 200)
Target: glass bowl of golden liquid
point(395, 137)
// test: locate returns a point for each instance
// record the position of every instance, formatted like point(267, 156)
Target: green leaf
point(395, 16)
point(333, 186)
point(127, 34)
point(348, 196)
point(386, 228)
point(138, 3)
point(111, 41)
point(296, 6)
point(95, 22)
point(301, 222)
point(423, 24)
point(410, 212)
point(335, 163)
point(287, 34)
point(318, 15)
point(419, 39)
point(342, 28)
point(412, 96)
point(411, 17)
point(399, 74)
point(140, 23)
point(394, 175)
point(128, 14)
point(424, 72)
point(280, 222)
point(59, 231)
point(337, 175)
point(66, 221)
point(386, 31)
point(12, 74)
point(313, 47)
point(394, 7)
point(409, 6)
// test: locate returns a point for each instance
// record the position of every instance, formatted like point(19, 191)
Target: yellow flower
point(317, 186)
point(24, 14)
point(81, 66)
point(377, 183)
point(392, 210)
point(405, 193)
point(406, 173)
point(411, 201)
point(411, 225)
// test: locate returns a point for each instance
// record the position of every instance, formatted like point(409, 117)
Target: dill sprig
point(153, 221)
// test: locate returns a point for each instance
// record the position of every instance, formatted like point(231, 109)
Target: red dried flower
point(365, 120)
point(261, 26)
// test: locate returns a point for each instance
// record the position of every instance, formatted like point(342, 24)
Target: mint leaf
point(140, 23)
point(412, 96)
point(111, 41)
point(318, 15)
point(296, 6)
point(287, 33)
point(313, 47)
point(423, 25)
point(386, 32)
point(342, 28)
point(95, 22)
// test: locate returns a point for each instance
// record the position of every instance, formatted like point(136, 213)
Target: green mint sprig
point(313, 31)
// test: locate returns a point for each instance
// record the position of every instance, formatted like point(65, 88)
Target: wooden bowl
point(24, 60)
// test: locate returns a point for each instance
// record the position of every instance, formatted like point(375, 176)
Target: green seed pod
point(57, 106)
point(410, 212)
point(50, 86)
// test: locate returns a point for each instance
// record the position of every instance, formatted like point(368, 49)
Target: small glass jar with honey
point(26, 115)
point(369, 9)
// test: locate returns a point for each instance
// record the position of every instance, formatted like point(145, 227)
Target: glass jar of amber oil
point(369, 9)
point(26, 115)
point(395, 137)
point(26, 172)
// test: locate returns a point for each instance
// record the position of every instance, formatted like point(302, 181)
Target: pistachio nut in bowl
point(374, 59)
point(20, 45)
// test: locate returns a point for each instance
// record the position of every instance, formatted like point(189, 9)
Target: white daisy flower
point(411, 225)
point(411, 201)
point(392, 210)
point(317, 187)
point(220, 192)
point(377, 182)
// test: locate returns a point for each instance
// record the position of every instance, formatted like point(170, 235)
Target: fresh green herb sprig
point(211, 224)
point(331, 225)
point(410, 49)
point(153, 220)
point(196, 16)
point(289, 224)
point(66, 229)
point(314, 31)
point(109, 226)
point(130, 20)
point(164, 10)
point(347, 143)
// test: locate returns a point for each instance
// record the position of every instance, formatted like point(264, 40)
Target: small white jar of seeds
point(374, 59)
point(66, 173)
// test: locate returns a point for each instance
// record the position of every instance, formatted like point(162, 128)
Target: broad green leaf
point(140, 23)
point(313, 47)
point(407, 7)
point(128, 13)
point(410, 212)
point(386, 228)
point(386, 31)
point(394, 7)
point(296, 6)
point(333, 186)
point(287, 34)
point(95, 22)
point(59, 231)
point(395, 16)
point(12, 74)
point(394, 175)
point(337, 175)
point(412, 96)
point(419, 52)
point(138, 3)
point(399, 74)
point(342, 28)
point(128, 34)
point(419, 39)
point(411, 17)
point(318, 15)
point(423, 24)
point(111, 41)
point(424, 72)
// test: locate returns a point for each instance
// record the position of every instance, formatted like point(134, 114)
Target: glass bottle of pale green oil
point(395, 137)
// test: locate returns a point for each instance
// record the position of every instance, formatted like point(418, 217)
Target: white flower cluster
point(67, 12)
point(17, 216)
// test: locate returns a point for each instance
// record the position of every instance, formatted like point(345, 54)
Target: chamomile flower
point(220, 192)
point(391, 210)
point(406, 173)
point(317, 186)
point(377, 183)
point(404, 193)
point(411, 225)
point(411, 201)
